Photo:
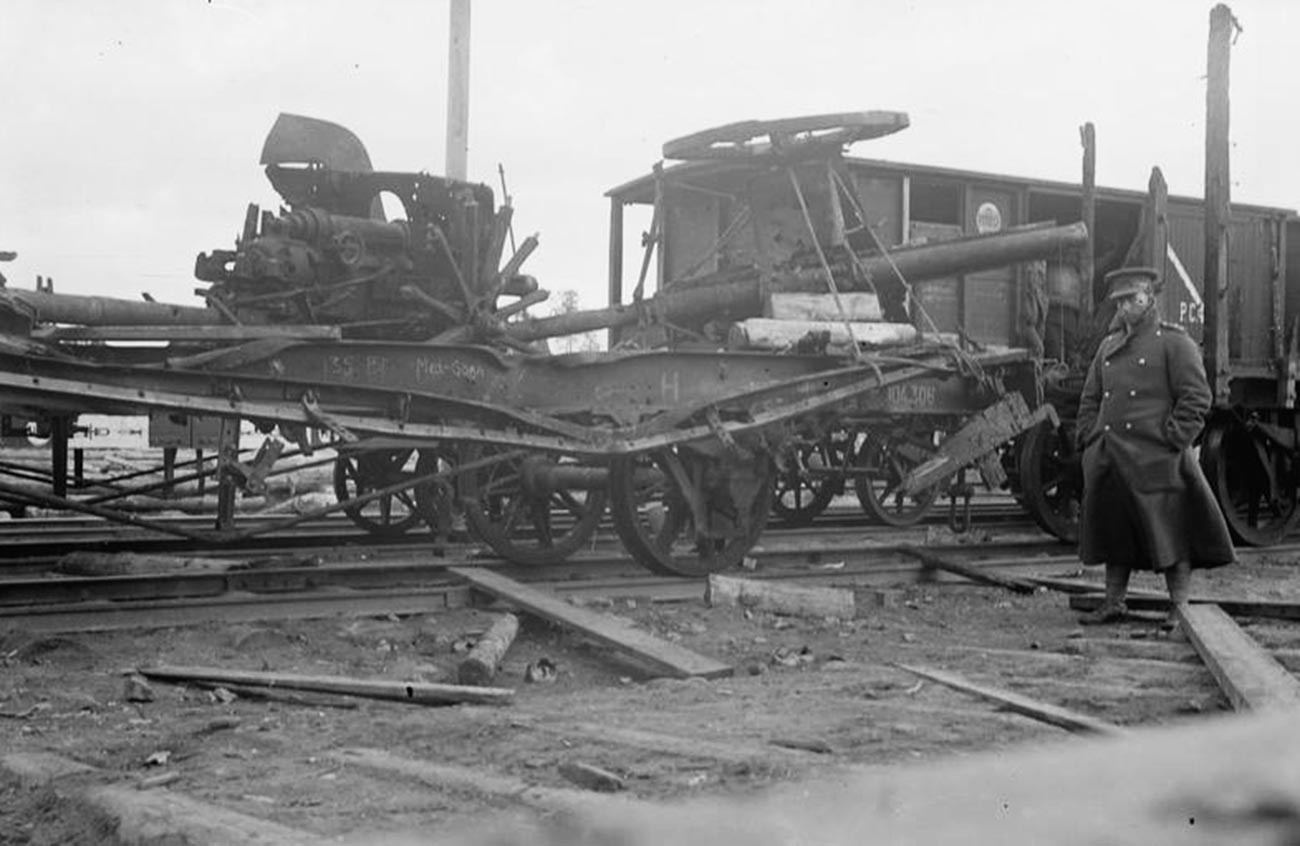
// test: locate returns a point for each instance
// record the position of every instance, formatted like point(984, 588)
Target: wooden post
point(1155, 223)
point(79, 467)
point(60, 427)
point(1087, 270)
point(480, 666)
point(1217, 199)
point(458, 90)
point(615, 290)
point(169, 472)
point(227, 456)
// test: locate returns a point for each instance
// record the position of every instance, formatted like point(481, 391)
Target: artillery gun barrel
point(105, 311)
point(743, 298)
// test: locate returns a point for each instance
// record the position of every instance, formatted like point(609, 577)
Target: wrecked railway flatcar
point(403, 342)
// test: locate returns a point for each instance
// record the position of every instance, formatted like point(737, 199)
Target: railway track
point(34, 541)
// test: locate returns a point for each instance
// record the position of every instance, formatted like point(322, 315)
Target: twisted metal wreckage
point(406, 343)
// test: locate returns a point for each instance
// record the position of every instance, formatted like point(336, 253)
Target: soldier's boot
point(1112, 608)
point(1178, 579)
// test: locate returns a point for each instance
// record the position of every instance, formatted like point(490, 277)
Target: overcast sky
point(132, 128)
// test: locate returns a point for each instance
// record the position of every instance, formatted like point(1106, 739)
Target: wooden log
point(764, 333)
point(934, 562)
point(780, 598)
point(858, 305)
point(418, 693)
point(658, 655)
point(1249, 676)
point(1052, 714)
point(480, 666)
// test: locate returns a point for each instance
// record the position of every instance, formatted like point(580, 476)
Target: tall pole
point(1088, 136)
point(458, 91)
point(1217, 197)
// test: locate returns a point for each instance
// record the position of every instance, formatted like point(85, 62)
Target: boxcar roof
point(711, 174)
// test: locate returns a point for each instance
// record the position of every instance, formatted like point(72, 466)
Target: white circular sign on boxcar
point(988, 218)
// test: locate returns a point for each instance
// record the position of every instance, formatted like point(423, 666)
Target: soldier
point(1146, 504)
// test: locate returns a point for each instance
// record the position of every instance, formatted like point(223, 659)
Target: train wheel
point(879, 468)
point(359, 473)
point(687, 512)
point(1050, 484)
point(437, 499)
point(513, 510)
point(1254, 481)
point(811, 479)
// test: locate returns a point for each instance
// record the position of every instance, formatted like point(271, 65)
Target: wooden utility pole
point(1217, 199)
point(1087, 298)
point(458, 91)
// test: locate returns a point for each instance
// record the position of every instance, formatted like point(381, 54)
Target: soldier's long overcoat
point(1146, 503)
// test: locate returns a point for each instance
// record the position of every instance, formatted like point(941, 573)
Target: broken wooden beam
point(1249, 676)
point(480, 666)
point(780, 598)
point(931, 562)
point(419, 693)
point(1041, 711)
point(1275, 609)
point(655, 654)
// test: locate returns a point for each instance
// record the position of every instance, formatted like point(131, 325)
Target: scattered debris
point(540, 671)
point(136, 689)
point(160, 780)
point(592, 778)
point(817, 745)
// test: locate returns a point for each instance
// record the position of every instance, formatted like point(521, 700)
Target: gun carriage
point(407, 343)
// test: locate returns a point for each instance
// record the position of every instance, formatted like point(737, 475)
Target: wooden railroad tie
point(645, 649)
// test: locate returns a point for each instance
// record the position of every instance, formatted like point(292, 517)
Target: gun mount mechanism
point(333, 258)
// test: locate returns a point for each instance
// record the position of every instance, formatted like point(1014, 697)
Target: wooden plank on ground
point(975, 574)
point(686, 747)
point(1275, 609)
point(1250, 677)
point(615, 632)
point(418, 693)
point(1057, 716)
point(454, 777)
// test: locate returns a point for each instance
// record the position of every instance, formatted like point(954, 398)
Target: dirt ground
point(829, 688)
